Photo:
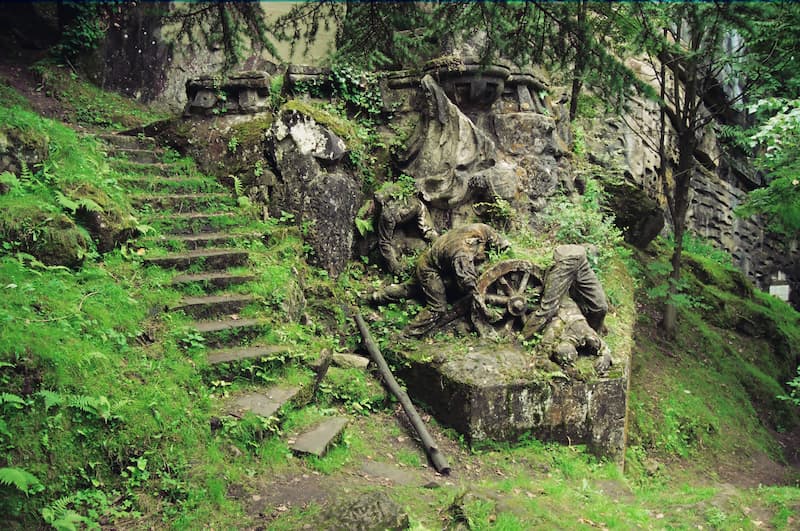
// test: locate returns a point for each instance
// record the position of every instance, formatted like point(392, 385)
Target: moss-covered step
point(147, 168)
point(191, 202)
point(135, 154)
point(491, 391)
point(213, 305)
point(200, 241)
point(208, 259)
point(174, 185)
point(128, 141)
point(192, 222)
point(227, 355)
point(213, 280)
point(229, 331)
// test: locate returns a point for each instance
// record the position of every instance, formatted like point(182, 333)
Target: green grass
point(117, 429)
point(85, 104)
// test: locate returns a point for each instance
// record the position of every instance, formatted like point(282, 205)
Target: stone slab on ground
point(367, 511)
point(495, 392)
point(265, 403)
point(350, 361)
point(317, 441)
point(243, 353)
point(389, 472)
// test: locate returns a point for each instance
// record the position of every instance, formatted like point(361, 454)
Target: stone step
point(175, 185)
point(182, 202)
point(128, 141)
point(213, 280)
point(142, 156)
point(318, 440)
point(243, 353)
point(213, 305)
point(191, 222)
point(229, 331)
point(146, 168)
point(210, 259)
point(203, 240)
point(266, 403)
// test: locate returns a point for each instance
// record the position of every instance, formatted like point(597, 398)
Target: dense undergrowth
point(107, 405)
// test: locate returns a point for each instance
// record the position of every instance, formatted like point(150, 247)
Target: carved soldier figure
point(568, 335)
point(453, 256)
point(570, 274)
point(398, 209)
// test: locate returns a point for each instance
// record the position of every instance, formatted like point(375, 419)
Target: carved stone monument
point(540, 365)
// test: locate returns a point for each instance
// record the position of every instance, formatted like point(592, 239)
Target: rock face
point(719, 185)
point(638, 215)
point(496, 393)
point(323, 197)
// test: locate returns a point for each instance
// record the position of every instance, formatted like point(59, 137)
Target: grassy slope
point(115, 428)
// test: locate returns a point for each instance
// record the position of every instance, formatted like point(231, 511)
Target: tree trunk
point(580, 61)
point(680, 209)
point(670, 320)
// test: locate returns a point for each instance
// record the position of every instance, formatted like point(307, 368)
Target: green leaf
point(66, 203)
point(9, 398)
point(21, 479)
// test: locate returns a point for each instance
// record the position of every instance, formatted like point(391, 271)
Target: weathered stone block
point(204, 99)
point(495, 392)
point(251, 101)
point(526, 133)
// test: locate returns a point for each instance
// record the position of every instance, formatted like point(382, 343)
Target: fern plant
point(20, 479)
point(72, 205)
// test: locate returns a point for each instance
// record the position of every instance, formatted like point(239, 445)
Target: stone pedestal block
point(495, 392)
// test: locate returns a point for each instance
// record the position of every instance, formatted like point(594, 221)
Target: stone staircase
point(198, 227)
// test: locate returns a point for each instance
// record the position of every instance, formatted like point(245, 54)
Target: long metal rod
point(436, 457)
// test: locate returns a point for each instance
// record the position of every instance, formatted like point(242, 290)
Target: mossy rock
point(54, 239)
point(107, 219)
point(252, 132)
point(709, 272)
point(340, 126)
point(19, 147)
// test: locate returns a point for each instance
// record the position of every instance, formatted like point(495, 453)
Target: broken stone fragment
point(350, 361)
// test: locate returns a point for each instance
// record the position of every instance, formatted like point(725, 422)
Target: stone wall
point(718, 187)
point(142, 58)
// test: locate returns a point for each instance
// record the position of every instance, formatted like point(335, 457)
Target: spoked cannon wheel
point(510, 289)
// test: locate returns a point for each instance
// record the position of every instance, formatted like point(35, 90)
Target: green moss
point(10, 97)
point(342, 127)
point(251, 133)
point(709, 271)
point(35, 229)
point(353, 388)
